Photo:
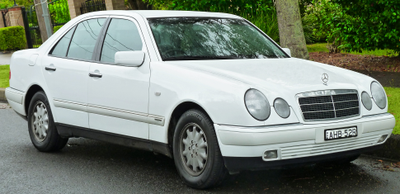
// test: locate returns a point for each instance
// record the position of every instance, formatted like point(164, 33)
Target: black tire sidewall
point(49, 141)
point(214, 164)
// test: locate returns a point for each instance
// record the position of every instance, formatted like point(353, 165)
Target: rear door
point(66, 71)
point(118, 95)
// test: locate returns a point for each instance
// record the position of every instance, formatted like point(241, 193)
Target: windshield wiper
point(198, 58)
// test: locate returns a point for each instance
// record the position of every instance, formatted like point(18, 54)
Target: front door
point(118, 95)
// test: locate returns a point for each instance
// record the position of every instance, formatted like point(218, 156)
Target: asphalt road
point(87, 166)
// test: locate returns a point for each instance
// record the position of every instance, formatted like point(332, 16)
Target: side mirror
point(287, 51)
point(129, 58)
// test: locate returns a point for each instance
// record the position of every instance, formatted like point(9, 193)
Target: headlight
point(257, 104)
point(378, 94)
point(366, 100)
point(282, 108)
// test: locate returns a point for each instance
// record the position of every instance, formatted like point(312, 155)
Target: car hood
point(289, 74)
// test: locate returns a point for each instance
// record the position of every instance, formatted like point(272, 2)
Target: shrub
point(375, 24)
point(12, 38)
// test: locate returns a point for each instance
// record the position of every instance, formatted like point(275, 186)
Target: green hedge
point(12, 38)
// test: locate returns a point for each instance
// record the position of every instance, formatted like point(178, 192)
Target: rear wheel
point(196, 152)
point(42, 131)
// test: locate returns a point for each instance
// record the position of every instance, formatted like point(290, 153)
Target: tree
point(290, 28)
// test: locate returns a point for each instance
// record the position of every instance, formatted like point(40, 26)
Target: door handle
point(50, 68)
point(95, 74)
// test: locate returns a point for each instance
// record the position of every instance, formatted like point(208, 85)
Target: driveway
point(5, 58)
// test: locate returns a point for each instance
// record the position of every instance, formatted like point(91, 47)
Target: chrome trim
point(331, 93)
point(112, 112)
point(70, 105)
point(326, 92)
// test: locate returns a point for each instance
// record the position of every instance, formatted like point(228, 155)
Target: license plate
point(331, 134)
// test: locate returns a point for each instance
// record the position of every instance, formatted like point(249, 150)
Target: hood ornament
point(325, 78)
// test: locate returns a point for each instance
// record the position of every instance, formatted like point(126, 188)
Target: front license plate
point(331, 134)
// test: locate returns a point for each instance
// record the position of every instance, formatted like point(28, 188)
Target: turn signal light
point(270, 154)
point(383, 138)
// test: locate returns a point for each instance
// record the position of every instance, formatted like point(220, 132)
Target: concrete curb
point(3, 95)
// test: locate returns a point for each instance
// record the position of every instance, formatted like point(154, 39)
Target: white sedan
point(209, 90)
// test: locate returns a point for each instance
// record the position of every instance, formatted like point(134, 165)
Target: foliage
point(328, 21)
point(55, 28)
point(375, 24)
point(59, 11)
point(10, 3)
point(4, 76)
point(394, 106)
point(12, 38)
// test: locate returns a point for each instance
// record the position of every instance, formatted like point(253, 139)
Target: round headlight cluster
point(282, 108)
point(257, 104)
point(378, 94)
point(366, 100)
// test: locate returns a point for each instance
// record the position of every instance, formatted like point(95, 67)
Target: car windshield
point(211, 38)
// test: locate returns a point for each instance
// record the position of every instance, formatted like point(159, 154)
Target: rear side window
point(84, 40)
point(60, 50)
point(122, 35)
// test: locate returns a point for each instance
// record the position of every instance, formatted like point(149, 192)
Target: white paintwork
point(65, 83)
point(129, 58)
point(287, 51)
point(139, 101)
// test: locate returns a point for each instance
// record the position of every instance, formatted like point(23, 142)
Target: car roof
point(165, 13)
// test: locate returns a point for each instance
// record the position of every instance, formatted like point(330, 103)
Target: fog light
point(270, 154)
point(383, 138)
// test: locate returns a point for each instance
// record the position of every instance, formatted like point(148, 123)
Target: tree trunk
point(291, 32)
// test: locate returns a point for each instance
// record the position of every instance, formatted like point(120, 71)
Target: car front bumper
point(299, 141)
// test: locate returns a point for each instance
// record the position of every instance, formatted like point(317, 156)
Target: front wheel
point(196, 152)
point(42, 131)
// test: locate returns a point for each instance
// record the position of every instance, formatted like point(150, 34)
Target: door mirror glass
point(129, 58)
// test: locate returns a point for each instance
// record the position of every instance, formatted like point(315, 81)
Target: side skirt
point(74, 131)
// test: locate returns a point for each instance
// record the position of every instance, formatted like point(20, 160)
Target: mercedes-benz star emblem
point(325, 78)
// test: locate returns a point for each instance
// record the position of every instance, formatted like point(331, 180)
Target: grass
point(4, 75)
point(318, 47)
point(321, 47)
point(394, 106)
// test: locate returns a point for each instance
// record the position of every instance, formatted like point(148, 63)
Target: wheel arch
point(28, 97)
point(177, 113)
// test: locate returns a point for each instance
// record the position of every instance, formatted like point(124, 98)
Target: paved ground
point(87, 166)
point(5, 58)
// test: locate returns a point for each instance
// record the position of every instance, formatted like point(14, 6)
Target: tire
point(196, 152)
point(42, 130)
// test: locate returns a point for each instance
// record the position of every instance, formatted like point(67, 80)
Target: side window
point(60, 50)
point(84, 40)
point(122, 35)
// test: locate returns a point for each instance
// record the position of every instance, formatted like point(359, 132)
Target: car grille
point(330, 104)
